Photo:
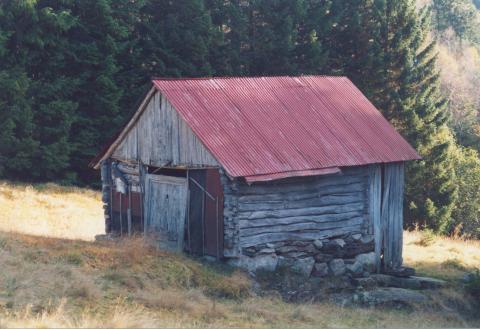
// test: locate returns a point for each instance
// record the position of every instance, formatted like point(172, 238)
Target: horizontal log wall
point(296, 209)
point(161, 137)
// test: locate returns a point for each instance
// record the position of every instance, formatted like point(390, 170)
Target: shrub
point(427, 238)
point(454, 264)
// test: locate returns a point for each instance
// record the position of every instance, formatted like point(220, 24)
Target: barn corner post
point(106, 176)
point(386, 201)
point(375, 200)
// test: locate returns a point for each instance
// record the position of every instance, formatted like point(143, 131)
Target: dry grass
point(51, 282)
point(51, 210)
point(441, 257)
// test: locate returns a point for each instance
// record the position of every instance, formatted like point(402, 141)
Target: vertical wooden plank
point(392, 214)
point(387, 258)
point(161, 136)
point(399, 188)
point(166, 200)
point(213, 213)
point(375, 197)
point(182, 208)
point(121, 217)
point(129, 211)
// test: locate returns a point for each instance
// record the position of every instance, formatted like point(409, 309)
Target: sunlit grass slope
point(51, 210)
point(442, 257)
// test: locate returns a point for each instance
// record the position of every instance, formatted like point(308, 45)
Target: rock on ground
point(337, 267)
point(385, 296)
point(380, 297)
point(367, 261)
point(320, 270)
point(413, 282)
point(303, 266)
point(263, 262)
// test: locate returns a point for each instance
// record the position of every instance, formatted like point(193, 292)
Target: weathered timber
point(301, 194)
point(165, 204)
point(299, 186)
point(312, 211)
point(287, 204)
point(299, 227)
point(302, 236)
point(106, 175)
point(248, 223)
point(392, 215)
point(375, 198)
point(313, 207)
point(160, 137)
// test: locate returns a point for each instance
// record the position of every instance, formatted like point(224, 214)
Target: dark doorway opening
point(126, 212)
point(205, 213)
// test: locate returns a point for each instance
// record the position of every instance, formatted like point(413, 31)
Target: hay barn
point(262, 172)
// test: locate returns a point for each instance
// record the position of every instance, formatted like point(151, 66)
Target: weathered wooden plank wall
point(304, 208)
point(392, 214)
point(161, 137)
point(375, 205)
point(165, 207)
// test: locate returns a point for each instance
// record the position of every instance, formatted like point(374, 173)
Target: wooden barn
point(263, 172)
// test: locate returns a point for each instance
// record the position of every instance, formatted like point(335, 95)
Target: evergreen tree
point(387, 41)
point(280, 37)
point(167, 39)
point(17, 144)
point(231, 24)
point(16, 119)
point(34, 143)
point(314, 31)
point(53, 90)
point(91, 57)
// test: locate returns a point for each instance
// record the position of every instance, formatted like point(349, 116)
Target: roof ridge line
point(244, 77)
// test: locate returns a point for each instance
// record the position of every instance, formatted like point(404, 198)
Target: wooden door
point(205, 217)
point(165, 207)
point(214, 215)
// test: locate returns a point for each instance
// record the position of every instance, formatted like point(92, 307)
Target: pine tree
point(231, 25)
point(53, 89)
point(167, 39)
point(17, 144)
point(314, 31)
point(281, 37)
point(387, 40)
point(90, 56)
point(19, 38)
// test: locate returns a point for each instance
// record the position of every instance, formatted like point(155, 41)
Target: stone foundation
point(351, 254)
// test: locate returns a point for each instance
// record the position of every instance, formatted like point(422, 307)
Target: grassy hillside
point(53, 282)
point(51, 210)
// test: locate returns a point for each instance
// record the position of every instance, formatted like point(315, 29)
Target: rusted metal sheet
point(285, 126)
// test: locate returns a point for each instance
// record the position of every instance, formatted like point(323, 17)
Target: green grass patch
point(71, 259)
point(454, 264)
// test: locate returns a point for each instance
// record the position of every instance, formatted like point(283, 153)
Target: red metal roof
point(285, 126)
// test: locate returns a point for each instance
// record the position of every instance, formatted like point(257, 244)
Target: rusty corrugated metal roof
point(272, 125)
